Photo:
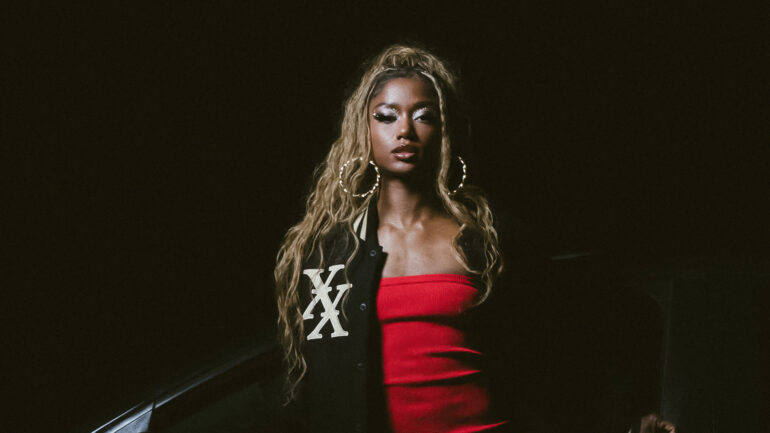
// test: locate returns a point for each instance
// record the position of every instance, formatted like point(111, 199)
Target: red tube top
point(431, 382)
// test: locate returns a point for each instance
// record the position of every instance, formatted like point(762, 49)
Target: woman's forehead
point(405, 91)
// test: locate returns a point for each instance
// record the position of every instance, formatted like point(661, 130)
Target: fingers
point(666, 426)
point(652, 423)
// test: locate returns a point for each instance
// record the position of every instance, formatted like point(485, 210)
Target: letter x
point(321, 293)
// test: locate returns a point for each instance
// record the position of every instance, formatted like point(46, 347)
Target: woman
point(376, 284)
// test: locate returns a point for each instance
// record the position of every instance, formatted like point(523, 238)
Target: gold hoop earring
point(371, 190)
point(462, 181)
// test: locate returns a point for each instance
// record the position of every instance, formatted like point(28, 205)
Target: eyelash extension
point(427, 116)
point(383, 117)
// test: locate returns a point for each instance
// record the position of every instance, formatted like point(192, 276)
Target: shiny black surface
point(238, 393)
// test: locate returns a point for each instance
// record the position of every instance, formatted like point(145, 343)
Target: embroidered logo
point(321, 290)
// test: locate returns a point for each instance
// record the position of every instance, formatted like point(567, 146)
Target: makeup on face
point(389, 113)
point(405, 126)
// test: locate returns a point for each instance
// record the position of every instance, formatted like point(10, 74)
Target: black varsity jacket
point(340, 392)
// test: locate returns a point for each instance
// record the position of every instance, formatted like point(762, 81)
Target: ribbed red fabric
point(430, 380)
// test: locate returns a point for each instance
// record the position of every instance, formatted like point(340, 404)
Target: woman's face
point(405, 126)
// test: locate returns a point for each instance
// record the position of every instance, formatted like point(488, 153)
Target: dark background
point(158, 153)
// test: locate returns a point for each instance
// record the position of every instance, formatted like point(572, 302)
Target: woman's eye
point(385, 118)
point(426, 116)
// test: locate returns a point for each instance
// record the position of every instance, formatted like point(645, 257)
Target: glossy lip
point(405, 152)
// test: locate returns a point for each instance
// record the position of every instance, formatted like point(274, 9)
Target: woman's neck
point(402, 205)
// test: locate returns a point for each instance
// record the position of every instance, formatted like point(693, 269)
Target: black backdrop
point(157, 154)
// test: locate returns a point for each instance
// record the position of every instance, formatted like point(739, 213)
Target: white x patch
point(321, 293)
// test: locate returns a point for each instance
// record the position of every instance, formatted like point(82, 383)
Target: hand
point(653, 423)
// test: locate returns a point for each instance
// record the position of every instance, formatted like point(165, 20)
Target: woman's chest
point(410, 253)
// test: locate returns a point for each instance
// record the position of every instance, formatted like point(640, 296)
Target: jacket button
point(359, 427)
point(372, 253)
point(363, 306)
point(360, 365)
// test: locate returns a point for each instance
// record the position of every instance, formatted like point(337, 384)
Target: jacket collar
point(365, 225)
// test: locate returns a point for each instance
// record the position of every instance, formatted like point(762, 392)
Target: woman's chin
point(402, 169)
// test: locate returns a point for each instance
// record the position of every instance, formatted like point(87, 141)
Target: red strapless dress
point(431, 382)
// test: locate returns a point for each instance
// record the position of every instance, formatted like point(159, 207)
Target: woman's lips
point(404, 156)
point(405, 153)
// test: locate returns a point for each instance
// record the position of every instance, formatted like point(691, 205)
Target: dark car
point(239, 393)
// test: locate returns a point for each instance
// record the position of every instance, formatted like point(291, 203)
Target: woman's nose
point(405, 128)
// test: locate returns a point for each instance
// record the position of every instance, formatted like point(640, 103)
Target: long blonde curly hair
point(328, 207)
